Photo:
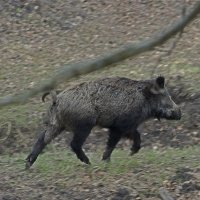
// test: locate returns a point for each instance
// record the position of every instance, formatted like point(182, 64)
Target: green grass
point(64, 163)
point(22, 114)
point(59, 168)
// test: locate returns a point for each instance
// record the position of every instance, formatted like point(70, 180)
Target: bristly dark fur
point(119, 104)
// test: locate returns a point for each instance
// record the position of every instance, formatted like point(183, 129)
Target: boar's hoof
point(85, 160)
point(106, 155)
point(134, 150)
point(29, 161)
point(106, 159)
point(27, 165)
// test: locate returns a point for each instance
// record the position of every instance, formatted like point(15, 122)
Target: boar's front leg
point(44, 138)
point(114, 137)
point(136, 141)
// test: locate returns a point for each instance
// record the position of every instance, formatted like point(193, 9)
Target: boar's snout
point(170, 114)
point(175, 114)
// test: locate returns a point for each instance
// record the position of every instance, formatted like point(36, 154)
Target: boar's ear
point(160, 81)
point(158, 86)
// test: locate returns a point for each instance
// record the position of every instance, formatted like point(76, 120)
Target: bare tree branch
point(168, 52)
point(118, 55)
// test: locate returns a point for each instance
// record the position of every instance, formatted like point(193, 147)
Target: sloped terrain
point(37, 38)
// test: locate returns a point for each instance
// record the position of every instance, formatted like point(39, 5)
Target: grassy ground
point(58, 172)
point(37, 39)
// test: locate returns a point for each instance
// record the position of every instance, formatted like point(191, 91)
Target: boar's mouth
point(169, 114)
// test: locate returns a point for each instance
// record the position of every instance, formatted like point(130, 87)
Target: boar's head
point(161, 104)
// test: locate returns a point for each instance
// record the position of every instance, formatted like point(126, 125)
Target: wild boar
point(119, 104)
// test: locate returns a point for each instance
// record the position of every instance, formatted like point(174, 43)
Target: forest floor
point(38, 37)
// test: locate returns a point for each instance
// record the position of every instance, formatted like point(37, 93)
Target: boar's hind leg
point(113, 139)
point(137, 142)
point(44, 138)
point(79, 138)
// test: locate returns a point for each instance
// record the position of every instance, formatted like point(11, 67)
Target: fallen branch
point(84, 67)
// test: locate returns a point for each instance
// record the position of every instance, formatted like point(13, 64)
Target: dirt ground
point(37, 38)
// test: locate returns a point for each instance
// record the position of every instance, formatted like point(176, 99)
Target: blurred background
point(38, 37)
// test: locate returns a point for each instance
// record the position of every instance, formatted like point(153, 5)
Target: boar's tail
point(53, 95)
point(44, 96)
